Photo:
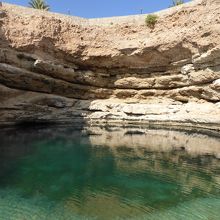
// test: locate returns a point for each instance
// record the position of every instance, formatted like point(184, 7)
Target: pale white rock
point(98, 106)
point(216, 84)
point(187, 69)
point(218, 104)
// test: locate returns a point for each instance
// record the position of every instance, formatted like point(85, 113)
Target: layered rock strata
point(56, 68)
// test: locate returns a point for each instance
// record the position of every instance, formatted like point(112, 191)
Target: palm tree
point(39, 4)
point(177, 2)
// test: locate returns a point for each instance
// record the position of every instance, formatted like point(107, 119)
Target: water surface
point(108, 173)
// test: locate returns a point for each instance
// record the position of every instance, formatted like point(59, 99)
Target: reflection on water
point(108, 173)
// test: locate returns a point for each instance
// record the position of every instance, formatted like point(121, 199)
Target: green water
point(107, 173)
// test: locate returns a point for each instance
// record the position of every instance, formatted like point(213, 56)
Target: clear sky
point(102, 8)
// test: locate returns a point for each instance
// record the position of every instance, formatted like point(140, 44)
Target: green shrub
point(177, 2)
point(151, 20)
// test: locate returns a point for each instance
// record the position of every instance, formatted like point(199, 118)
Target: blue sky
point(102, 8)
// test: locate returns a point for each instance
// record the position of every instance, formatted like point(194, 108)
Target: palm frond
point(39, 4)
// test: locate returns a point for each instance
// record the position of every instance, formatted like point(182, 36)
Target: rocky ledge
point(56, 68)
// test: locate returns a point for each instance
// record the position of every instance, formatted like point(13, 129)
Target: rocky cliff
point(56, 68)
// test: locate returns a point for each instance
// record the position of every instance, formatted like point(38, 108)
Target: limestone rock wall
point(56, 68)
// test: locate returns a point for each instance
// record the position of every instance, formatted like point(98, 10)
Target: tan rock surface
point(57, 68)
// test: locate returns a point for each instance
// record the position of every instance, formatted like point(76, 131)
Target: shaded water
point(108, 173)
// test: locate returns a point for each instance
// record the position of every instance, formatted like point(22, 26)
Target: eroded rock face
point(56, 68)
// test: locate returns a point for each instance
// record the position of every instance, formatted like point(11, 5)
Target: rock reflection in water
point(109, 173)
point(157, 140)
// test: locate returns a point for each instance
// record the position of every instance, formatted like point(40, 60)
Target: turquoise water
point(108, 173)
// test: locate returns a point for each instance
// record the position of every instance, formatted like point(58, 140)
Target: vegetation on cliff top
point(39, 4)
point(177, 2)
point(151, 20)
